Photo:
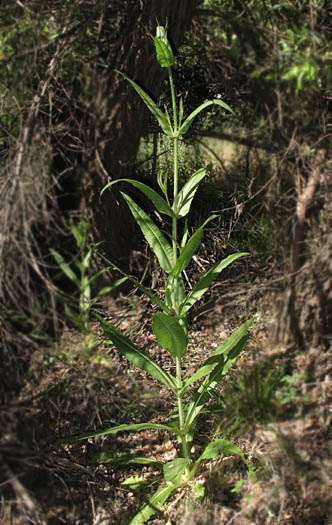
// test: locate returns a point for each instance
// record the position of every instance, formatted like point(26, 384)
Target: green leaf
point(121, 428)
point(109, 288)
point(181, 111)
point(189, 120)
point(157, 241)
point(160, 203)
point(164, 53)
point(153, 505)
point(174, 470)
point(80, 231)
point(85, 263)
point(203, 284)
point(136, 355)
point(153, 298)
point(98, 274)
point(162, 182)
point(120, 458)
point(171, 299)
point(65, 267)
point(190, 248)
point(236, 340)
point(187, 193)
point(151, 105)
point(134, 482)
point(221, 446)
point(203, 395)
point(170, 334)
point(219, 370)
point(198, 491)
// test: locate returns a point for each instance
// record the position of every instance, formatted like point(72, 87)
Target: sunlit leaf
point(136, 427)
point(203, 284)
point(136, 355)
point(164, 53)
point(236, 341)
point(221, 446)
point(157, 241)
point(189, 120)
point(153, 505)
point(219, 370)
point(187, 193)
point(151, 105)
point(174, 470)
point(135, 482)
point(161, 205)
point(170, 334)
point(190, 248)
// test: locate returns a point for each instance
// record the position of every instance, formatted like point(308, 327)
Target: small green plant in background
point(170, 324)
point(82, 278)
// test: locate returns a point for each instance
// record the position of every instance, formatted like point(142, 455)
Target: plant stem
point(175, 187)
point(184, 447)
point(176, 304)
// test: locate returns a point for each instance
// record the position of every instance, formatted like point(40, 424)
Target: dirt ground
point(275, 404)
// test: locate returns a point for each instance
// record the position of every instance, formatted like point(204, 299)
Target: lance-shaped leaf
point(203, 284)
point(174, 470)
point(123, 458)
point(157, 241)
point(65, 267)
point(189, 120)
point(121, 428)
point(233, 345)
point(206, 389)
point(136, 355)
point(135, 482)
point(160, 203)
point(153, 504)
point(151, 105)
point(219, 446)
point(187, 193)
point(164, 51)
point(190, 248)
point(153, 298)
point(174, 293)
point(165, 55)
point(170, 334)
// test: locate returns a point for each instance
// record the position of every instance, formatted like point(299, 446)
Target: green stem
point(184, 448)
point(176, 305)
point(175, 187)
point(175, 117)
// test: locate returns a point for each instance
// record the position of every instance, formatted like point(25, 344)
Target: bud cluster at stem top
point(165, 55)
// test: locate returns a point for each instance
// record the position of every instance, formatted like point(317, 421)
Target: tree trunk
point(117, 117)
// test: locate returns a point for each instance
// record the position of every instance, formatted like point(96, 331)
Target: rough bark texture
point(305, 313)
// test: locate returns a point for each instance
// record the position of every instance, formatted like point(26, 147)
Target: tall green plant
point(170, 324)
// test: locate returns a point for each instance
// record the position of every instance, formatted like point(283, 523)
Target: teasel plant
point(170, 323)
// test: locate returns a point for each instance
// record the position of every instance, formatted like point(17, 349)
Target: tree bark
point(117, 116)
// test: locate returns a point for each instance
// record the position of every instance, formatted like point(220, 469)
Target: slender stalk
point(171, 83)
point(184, 447)
point(176, 304)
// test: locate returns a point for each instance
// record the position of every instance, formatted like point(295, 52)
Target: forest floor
point(275, 404)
